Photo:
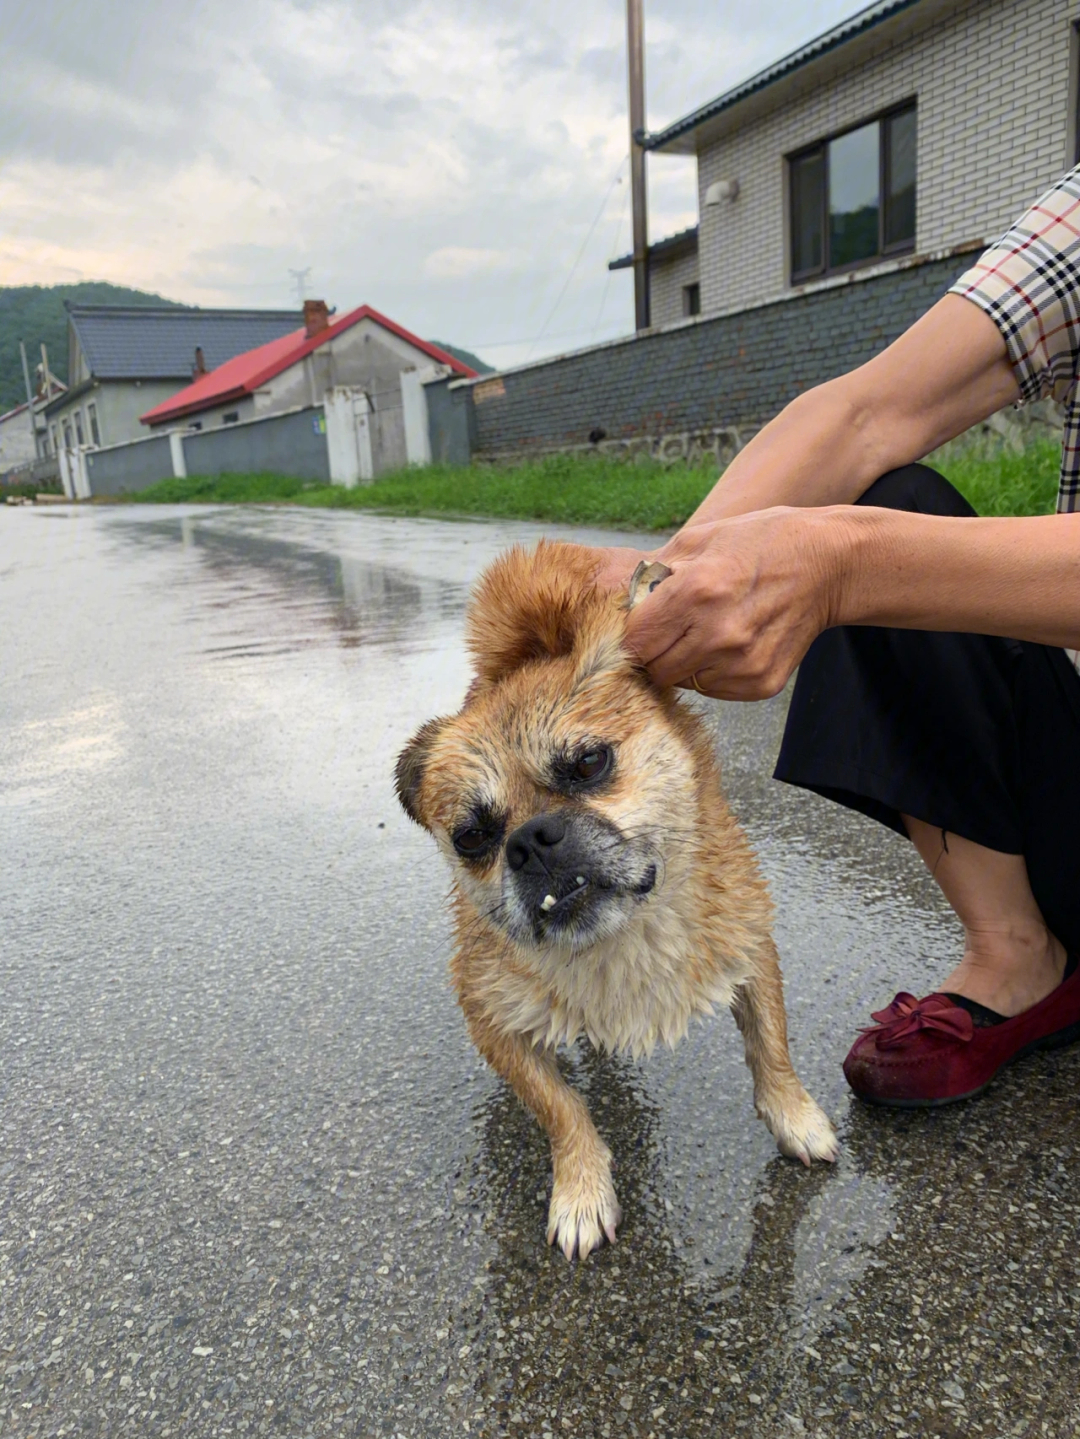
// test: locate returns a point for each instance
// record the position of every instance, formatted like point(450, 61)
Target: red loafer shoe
point(924, 1052)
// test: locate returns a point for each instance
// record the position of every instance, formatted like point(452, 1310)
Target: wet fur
point(551, 671)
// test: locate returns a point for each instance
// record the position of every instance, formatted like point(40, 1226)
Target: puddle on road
point(248, 1159)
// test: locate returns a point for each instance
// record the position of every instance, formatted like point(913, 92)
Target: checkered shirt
point(1029, 285)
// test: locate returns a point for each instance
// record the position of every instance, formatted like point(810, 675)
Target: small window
point(67, 436)
point(79, 428)
point(195, 425)
point(232, 418)
point(852, 198)
point(691, 299)
point(54, 430)
point(91, 415)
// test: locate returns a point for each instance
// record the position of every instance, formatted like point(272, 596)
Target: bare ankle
point(1008, 968)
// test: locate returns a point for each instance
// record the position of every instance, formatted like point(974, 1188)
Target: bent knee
point(919, 489)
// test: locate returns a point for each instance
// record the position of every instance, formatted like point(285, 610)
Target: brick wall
point(702, 386)
point(666, 281)
point(991, 78)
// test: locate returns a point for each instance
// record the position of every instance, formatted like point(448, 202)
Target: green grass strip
point(595, 490)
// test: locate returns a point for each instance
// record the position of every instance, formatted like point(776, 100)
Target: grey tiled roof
point(684, 242)
point(122, 343)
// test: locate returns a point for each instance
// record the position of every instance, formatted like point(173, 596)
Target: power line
point(580, 253)
point(614, 254)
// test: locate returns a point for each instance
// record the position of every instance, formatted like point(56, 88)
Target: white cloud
point(455, 262)
point(446, 164)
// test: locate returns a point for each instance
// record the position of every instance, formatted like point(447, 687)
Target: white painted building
point(916, 129)
point(366, 369)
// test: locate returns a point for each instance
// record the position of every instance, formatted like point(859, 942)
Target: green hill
point(35, 314)
point(465, 356)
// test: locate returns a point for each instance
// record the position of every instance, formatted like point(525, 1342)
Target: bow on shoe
point(906, 1016)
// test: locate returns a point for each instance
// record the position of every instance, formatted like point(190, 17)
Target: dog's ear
point(409, 770)
point(532, 605)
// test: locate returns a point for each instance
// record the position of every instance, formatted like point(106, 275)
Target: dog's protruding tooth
point(548, 902)
point(645, 579)
point(579, 879)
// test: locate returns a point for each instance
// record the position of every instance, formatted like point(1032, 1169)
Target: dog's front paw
point(583, 1209)
point(801, 1129)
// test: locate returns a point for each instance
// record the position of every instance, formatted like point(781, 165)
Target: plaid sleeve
point(1029, 285)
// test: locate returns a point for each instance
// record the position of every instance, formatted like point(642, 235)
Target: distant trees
point(35, 314)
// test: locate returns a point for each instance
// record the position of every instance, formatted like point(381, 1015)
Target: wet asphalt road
point(253, 1179)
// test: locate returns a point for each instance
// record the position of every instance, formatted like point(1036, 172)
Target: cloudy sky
point(460, 165)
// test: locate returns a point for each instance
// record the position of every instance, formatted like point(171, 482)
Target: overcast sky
point(447, 163)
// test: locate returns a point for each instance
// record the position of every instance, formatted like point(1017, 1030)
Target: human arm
point(829, 445)
point(742, 608)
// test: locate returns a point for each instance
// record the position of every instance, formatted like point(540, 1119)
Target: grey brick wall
point(667, 279)
point(704, 385)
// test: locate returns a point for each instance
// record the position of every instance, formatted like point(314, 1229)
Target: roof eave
point(195, 407)
point(679, 138)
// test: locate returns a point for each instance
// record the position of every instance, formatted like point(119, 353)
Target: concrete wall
point(667, 279)
point(701, 387)
point(991, 78)
point(451, 422)
point(291, 444)
point(129, 467)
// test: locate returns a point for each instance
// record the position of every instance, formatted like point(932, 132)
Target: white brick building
point(916, 129)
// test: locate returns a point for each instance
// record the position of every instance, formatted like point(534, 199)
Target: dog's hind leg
point(583, 1204)
point(800, 1128)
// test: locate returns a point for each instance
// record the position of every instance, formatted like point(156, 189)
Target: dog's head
point(564, 790)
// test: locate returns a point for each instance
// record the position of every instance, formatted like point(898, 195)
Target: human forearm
point(1013, 577)
point(750, 594)
point(829, 445)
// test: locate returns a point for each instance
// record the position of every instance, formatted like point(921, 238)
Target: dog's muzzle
point(567, 867)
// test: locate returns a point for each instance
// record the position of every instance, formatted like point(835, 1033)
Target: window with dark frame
point(852, 197)
point(691, 299)
point(91, 415)
point(231, 418)
point(79, 438)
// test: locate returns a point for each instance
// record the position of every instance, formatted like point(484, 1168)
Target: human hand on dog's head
point(615, 565)
point(746, 598)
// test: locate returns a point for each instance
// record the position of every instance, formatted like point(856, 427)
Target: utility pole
point(29, 397)
point(635, 54)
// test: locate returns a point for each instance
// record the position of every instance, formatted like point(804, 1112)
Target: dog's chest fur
point(631, 992)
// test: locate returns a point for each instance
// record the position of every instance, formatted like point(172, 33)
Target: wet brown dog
point(601, 886)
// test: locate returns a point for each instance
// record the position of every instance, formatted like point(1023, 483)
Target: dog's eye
point(593, 765)
point(470, 842)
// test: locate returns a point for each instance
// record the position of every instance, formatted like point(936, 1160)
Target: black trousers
point(976, 735)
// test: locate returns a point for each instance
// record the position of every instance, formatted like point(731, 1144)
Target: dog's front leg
point(583, 1203)
point(801, 1129)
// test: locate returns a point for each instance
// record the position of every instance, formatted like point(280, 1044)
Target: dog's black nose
point(534, 837)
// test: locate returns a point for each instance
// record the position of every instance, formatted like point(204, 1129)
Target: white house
point(362, 357)
point(915, 129)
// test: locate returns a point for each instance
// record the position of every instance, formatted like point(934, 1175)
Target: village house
point(22, 440)
point(328, 360)
point(841, 191)
point(122, 360)
point(914, 130)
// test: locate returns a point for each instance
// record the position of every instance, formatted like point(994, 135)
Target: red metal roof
point(243, 375)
